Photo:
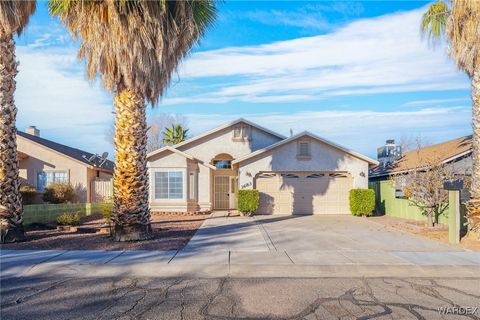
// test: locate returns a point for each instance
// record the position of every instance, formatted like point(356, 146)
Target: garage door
point(304, 193)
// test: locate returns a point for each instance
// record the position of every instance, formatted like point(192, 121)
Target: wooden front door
point(221, 187)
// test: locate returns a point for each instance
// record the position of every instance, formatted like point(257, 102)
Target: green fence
point(386, 203)
point(46, 213)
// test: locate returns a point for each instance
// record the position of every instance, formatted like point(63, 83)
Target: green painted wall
point(386, 203)
point(47, 213)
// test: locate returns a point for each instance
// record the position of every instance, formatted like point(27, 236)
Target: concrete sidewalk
point(251, 264)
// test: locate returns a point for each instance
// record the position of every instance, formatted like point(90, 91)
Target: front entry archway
point(224, 181)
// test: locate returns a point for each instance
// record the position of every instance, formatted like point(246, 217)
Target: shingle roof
point(444, 152)
point(74, 153)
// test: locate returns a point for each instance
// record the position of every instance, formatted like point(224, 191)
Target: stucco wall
point(43, 159)
point(221, 141)
point(323, 158)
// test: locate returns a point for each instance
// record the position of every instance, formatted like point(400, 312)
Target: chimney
point(33, 131)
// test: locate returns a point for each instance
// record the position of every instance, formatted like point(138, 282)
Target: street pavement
point(230, 298)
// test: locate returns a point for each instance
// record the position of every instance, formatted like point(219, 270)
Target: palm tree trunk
point(11, 210)
point(131, 213)
point(473, 205)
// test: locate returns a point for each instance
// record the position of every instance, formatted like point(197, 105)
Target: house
point(301, 174)
point(392, 163)
point(43, 161)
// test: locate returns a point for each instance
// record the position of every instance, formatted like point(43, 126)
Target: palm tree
point(134, 46)
point(459, 23)
point(14, 16)
point(175, 134)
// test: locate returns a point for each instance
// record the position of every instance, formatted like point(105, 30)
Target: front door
point(221, 187)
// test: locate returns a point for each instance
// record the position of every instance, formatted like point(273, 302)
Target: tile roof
point(74, 153)
point(445, 152)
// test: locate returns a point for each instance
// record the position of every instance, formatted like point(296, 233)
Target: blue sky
point(357, 73)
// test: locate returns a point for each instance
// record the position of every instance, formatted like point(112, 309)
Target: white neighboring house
point(302, 174)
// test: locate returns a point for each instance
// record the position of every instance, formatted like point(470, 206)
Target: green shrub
point(248, 201)
point(58, 193)
point(362, 202)
point(28, 194)
point(68, 219)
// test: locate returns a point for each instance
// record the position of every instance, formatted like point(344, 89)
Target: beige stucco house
point(43, 161)
point(302, 174)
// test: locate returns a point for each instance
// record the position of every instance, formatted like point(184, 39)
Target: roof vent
point(33, 131)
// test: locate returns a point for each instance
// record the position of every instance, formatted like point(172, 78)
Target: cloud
point(301, 19)
point(434, 101)
point(362, 131)
point(376, 55)
point(54, 95)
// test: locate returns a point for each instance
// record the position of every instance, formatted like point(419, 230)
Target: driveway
point(306, 233)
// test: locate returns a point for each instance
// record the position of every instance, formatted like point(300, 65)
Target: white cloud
point(53, 94)
point(435, 101)
point(376, 55)
point(362, 131)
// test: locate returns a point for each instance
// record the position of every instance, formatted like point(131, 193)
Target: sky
point(356, 73)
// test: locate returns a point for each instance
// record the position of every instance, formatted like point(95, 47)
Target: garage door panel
point(312, 193)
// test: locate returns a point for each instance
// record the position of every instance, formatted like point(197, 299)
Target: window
point(289, 175)
point(169, 185)
point(191, 186)
point(222, 164)
point(45, 178)
point(315, 175)
point(241, 133)
point(304, 149)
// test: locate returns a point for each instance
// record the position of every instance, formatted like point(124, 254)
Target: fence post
point(454, 216)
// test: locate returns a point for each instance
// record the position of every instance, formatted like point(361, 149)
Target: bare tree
point(410, 142)
point(424, 186)
point(156, 127)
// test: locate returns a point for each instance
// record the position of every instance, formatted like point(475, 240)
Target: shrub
point(58, 193)
point(28, 194)
point(68, 219)
point(248, 201)
point(362, 202)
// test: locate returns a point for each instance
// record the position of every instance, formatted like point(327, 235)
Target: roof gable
point(311, 135)
point(225, 126)
point(67, 151)
point(181, 153)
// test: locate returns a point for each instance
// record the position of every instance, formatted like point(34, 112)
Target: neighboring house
point(456, 152)
point(43, 161)
point(302, 174)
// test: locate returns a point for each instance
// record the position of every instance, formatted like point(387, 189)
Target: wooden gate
point(101, 190)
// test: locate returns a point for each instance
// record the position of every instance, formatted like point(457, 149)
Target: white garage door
point(304, 193)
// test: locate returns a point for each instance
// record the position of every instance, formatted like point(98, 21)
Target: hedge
point(362, 202)
point(248, 201)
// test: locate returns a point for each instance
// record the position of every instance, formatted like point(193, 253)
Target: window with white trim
point(169, 185)
point(45, 178)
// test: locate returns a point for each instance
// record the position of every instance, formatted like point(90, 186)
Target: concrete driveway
point(306, 233)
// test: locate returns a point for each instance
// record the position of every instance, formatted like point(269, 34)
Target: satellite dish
point(92, 158)
point(104, 155)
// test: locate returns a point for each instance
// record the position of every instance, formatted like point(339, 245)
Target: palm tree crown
point(460, 22)
point(175, 134)
point(14, 16)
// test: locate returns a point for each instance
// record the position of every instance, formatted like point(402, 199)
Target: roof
point(306, 133)
point(219, 129)
point(70, 152)
point(444, 152)
point(186, 155)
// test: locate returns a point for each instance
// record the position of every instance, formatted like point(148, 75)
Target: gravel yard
point(170, 232)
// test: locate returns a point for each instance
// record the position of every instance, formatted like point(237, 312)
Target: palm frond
point(14, 16)
point(434, 21)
